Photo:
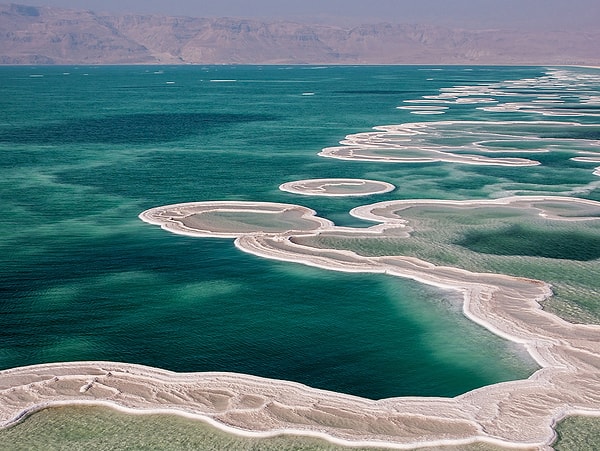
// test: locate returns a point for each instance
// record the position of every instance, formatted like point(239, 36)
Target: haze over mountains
point(48, 35)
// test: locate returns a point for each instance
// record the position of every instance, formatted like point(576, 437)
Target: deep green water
point(83, 150)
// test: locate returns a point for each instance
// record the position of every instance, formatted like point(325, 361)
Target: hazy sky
point(566, 14)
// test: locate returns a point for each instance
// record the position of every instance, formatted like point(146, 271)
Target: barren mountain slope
point(43, 35)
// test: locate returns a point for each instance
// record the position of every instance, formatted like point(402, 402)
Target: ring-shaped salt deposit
point(232, 219)
point(337, 187)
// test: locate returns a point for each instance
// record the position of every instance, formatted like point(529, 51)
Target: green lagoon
point(84, 150)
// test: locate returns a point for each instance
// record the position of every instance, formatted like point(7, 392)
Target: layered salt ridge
point(555, 95)
point(518, 414)
point(466, 142)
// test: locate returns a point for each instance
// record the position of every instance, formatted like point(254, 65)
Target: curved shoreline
point(518, 414)
point(241, 420)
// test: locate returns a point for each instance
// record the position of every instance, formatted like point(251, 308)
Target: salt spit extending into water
point(518, 414)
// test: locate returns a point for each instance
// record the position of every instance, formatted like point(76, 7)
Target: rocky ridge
point(47, 35)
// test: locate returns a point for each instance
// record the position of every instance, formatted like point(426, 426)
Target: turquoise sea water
point(83, 150)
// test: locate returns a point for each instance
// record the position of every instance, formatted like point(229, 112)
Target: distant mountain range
point(46, 35)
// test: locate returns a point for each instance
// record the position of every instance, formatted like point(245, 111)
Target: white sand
point(519, 414)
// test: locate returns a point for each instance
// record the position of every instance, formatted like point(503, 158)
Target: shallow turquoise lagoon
point(83, 150)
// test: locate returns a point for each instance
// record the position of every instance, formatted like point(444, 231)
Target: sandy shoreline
point(518, 414)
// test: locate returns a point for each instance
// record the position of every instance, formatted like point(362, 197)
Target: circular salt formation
point(231, 219)
point(337, 187)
